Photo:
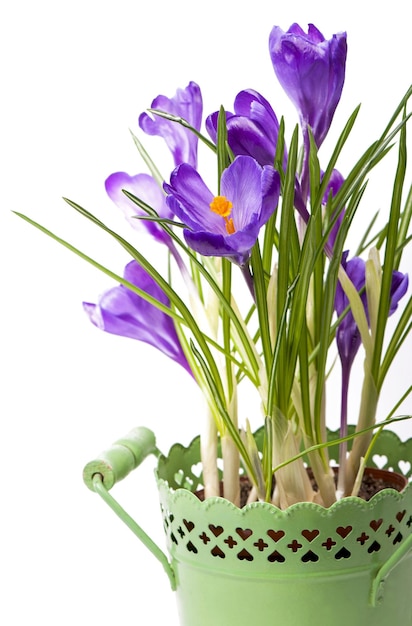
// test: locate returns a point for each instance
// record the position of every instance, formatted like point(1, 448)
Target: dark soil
point(373, 482)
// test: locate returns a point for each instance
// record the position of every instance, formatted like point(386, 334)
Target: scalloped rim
point(349, 502)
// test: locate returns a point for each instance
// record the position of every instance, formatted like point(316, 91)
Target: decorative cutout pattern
point(306, 537)
point(308, 546)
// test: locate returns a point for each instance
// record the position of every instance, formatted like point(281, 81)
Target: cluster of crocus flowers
point(280, 251)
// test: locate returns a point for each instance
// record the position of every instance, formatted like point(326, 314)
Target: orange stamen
point(230, 227)
point(222, 206)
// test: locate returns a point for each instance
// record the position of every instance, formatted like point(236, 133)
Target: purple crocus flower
point(335, 182)
point(145, 188)
point(311, 70)
point(227, 224)
point(120, 311)
point(348, 337)
point(182, 142)
point(252, 129)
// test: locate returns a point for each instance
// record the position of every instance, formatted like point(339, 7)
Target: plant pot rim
point(169, 469)
point(351, 534)
point(393, 480)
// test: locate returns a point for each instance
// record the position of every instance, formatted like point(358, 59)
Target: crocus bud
point(311, 70)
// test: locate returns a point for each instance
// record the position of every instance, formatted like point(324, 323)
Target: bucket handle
point(114, 464)
point(384, 571)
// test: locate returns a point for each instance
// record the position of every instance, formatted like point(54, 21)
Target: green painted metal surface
point(305, 566)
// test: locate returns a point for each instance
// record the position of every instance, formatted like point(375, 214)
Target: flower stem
point(247, 275)
point(343, 431)
point(208, 452)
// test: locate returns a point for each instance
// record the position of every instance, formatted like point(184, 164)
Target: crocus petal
point(252, 130)
point(236, 247)
point(311, 70)
point(253, 192)
point(335, 182)
point(182, 142)
point(399, 287)
point(145, 188)
point(250, 104)
point(122, 312)
point(212, 121)
point(348, 337)
point(192, 199)
point(242, 183)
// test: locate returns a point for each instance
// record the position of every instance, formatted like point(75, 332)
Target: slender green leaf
point(185, 124)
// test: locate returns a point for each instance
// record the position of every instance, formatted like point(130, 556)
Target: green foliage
point(283, 344)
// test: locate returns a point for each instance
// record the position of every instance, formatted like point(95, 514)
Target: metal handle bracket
point(384, 571)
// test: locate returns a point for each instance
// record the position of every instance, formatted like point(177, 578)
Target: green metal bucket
point(307, 565)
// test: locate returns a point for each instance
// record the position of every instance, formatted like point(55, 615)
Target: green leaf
point(391, 258)
point(147, 159)
point(185, 124)
point(216, 392)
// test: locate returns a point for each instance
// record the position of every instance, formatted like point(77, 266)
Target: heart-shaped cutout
point(400, 452)
point(376, 524)
point(216, 530)
point(380, 460)
point(310, 557)
point(344, 531)
point(197, 469)
point(216, 551)
point(397, 539)
point(189, 525)
point(276, 557)
point(343, 553)
point(276, 535)
point(400, 515)
point(374, 547)
point(244, 533)
point(310, 535)
point(244, 555)
point(191, 547)
point(405, 467)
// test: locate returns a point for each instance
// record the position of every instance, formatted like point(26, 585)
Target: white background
point(75, 77)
